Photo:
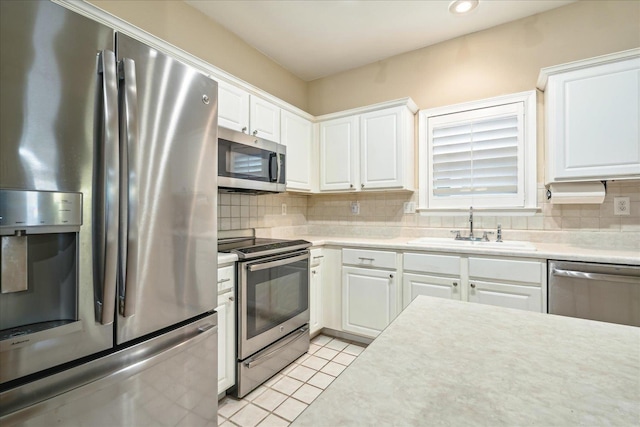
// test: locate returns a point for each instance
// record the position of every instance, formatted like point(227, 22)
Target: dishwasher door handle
point(620, 278)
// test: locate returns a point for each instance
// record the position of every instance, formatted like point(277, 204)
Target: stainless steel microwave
point(247, 163)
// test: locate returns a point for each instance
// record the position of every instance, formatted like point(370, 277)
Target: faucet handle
point(457, 234)
point(485, 235)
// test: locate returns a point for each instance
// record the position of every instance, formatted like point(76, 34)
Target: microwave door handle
point(106, 196)
point(273, 174)
point(129, 201)
point(278, 263)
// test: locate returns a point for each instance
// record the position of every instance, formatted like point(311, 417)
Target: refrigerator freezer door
point(51, 102)
point(168, 380)
point(170, 182)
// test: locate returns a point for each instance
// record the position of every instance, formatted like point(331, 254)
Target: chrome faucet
point(470, 222)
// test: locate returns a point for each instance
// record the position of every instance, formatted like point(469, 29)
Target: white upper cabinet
point(592, 118)
point(386, 149)
point(233, 107)
point(371, 148)
point(338, 153)
point(297, 135)
point(240, 111)
point(264, 119)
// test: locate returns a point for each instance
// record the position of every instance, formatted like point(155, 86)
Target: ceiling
point(317, 38)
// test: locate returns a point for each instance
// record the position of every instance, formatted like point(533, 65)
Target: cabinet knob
point(472, 285)
point(455, 284)
point(350, 185)
point(232, 299)
point(361, 185)
point(255, 132)
point(391, 276)
point(314, 272)
point(244, 129)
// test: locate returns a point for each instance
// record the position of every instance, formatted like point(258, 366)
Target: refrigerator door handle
point(129, 199)
point(107, 185)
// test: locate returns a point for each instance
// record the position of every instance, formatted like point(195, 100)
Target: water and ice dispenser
point(39, 261)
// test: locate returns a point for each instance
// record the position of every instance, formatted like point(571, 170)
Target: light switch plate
point(409, 207)
point(355, 208)
point(621, 206)
point(284, 209)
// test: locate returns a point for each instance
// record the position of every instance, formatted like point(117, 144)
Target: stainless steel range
point(272, 305)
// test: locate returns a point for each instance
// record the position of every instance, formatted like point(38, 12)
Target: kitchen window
point(480, 154)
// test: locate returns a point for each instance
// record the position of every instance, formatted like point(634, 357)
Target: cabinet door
point(297, 135)
point(315, 291)
point(233, 108)
point(433, 286)
point(338, 152)
point(368, 300)
point(315, 303)
point(381, 156)
point(226, 341)
point(506, 295)
point(265, 119)
point(593, 117)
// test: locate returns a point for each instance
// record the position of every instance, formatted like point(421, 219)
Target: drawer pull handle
point(319, 256)
point(223, 280)
point(366, 259)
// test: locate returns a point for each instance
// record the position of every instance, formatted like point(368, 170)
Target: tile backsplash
point(238, 210)
point(385, 210)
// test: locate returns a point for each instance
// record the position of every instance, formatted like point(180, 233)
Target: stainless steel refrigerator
point(107, 210)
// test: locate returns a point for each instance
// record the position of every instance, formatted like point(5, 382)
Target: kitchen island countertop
point(444, 362)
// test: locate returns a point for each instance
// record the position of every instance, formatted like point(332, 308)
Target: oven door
point(273, 300)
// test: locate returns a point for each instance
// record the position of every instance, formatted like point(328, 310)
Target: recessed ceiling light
point(459, 7)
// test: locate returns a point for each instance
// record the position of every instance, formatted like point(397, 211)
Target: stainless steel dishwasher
point(605, 292)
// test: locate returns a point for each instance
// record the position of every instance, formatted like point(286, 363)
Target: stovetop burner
point(255, 247)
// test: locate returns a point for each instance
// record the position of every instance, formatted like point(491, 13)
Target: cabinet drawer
point(428, 263)
point(365, 258)
point(508, 270)
point(315, 257)
point(226, 278)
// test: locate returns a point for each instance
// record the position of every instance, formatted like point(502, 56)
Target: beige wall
point(189, 29)
point(500, 60)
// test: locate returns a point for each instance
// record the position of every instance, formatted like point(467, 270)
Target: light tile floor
point(281, 399)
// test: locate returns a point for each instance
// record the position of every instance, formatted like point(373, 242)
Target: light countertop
point(560, 251)
point(224, 258)
point(445, 362)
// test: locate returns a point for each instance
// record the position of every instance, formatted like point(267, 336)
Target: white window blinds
point(475, 157)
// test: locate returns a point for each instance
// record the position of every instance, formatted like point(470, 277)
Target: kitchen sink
point(510, 245)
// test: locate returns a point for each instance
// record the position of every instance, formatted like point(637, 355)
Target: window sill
point(479, 211)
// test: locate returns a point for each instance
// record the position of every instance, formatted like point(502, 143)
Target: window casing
point(480, 154)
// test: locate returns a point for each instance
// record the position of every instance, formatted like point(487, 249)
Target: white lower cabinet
point(315, 291)
point(506, 295)
point(431, 275)
point(370, 296)
point(433, 286)
point(226, 328)
point(510, 283)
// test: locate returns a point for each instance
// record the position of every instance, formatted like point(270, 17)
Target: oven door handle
point(277, 263)
point(263, 357)
point(596, 276)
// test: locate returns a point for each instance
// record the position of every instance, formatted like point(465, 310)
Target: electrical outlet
point(621, 206)
point(284, 209)
point(355, 208)
point(409, 207)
